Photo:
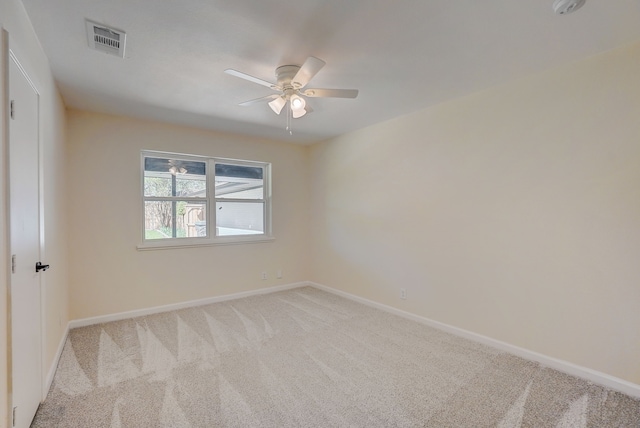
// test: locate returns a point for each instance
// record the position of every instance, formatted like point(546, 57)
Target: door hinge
point(13, 263)
point(13, 417)
point(12, 109)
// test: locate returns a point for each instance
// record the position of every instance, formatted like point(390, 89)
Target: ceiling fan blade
point(250, 78)
point(331, 93)
point(259, 100)
point(309, 69)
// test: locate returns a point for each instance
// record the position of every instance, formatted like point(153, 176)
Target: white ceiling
point(402, 55)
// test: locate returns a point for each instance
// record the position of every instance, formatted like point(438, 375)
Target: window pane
point(158, 220)
point(191, 186)
point(190, 219)
point(174, 177)
point(157, 185)
point(239, 182)
point(239, 218)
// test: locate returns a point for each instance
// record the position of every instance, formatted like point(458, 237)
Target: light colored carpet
point(307, 358)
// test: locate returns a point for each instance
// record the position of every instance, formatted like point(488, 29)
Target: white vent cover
point(105, 39)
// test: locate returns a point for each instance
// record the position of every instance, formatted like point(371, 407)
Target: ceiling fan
point(291, 83)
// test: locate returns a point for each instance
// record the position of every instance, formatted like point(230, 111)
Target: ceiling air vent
point(105, 39)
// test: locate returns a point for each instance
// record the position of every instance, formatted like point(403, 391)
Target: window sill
point(190, 243)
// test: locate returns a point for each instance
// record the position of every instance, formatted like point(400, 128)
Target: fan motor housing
point(285, 73)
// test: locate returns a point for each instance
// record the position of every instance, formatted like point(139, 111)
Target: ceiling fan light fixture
point(177, 170)
point(298, 113)
point(291, 83)
point(277, 104)
point(298, 103)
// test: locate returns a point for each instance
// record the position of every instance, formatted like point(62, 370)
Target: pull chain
point(289, 117)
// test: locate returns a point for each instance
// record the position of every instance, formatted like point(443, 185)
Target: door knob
point(40, 266)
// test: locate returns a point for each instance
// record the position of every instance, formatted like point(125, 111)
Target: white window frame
point(210, 204)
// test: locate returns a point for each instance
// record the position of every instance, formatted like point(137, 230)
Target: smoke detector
point(105, 39)
point(563, 7)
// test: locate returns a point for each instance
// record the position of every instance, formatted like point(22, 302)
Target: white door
point(26, 329)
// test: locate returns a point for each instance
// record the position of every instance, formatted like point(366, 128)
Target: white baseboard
point(182, 305)
point(54, 364)
point(594, 376)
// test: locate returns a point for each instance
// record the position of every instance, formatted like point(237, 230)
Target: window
point(184, 195)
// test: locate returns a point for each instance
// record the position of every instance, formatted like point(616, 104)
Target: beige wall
point(513, 213)
point(109, 275)
point(25, 45)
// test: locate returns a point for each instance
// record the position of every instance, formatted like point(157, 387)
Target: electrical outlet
point(264, 275)
point(403, 293)
point(279, 274)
